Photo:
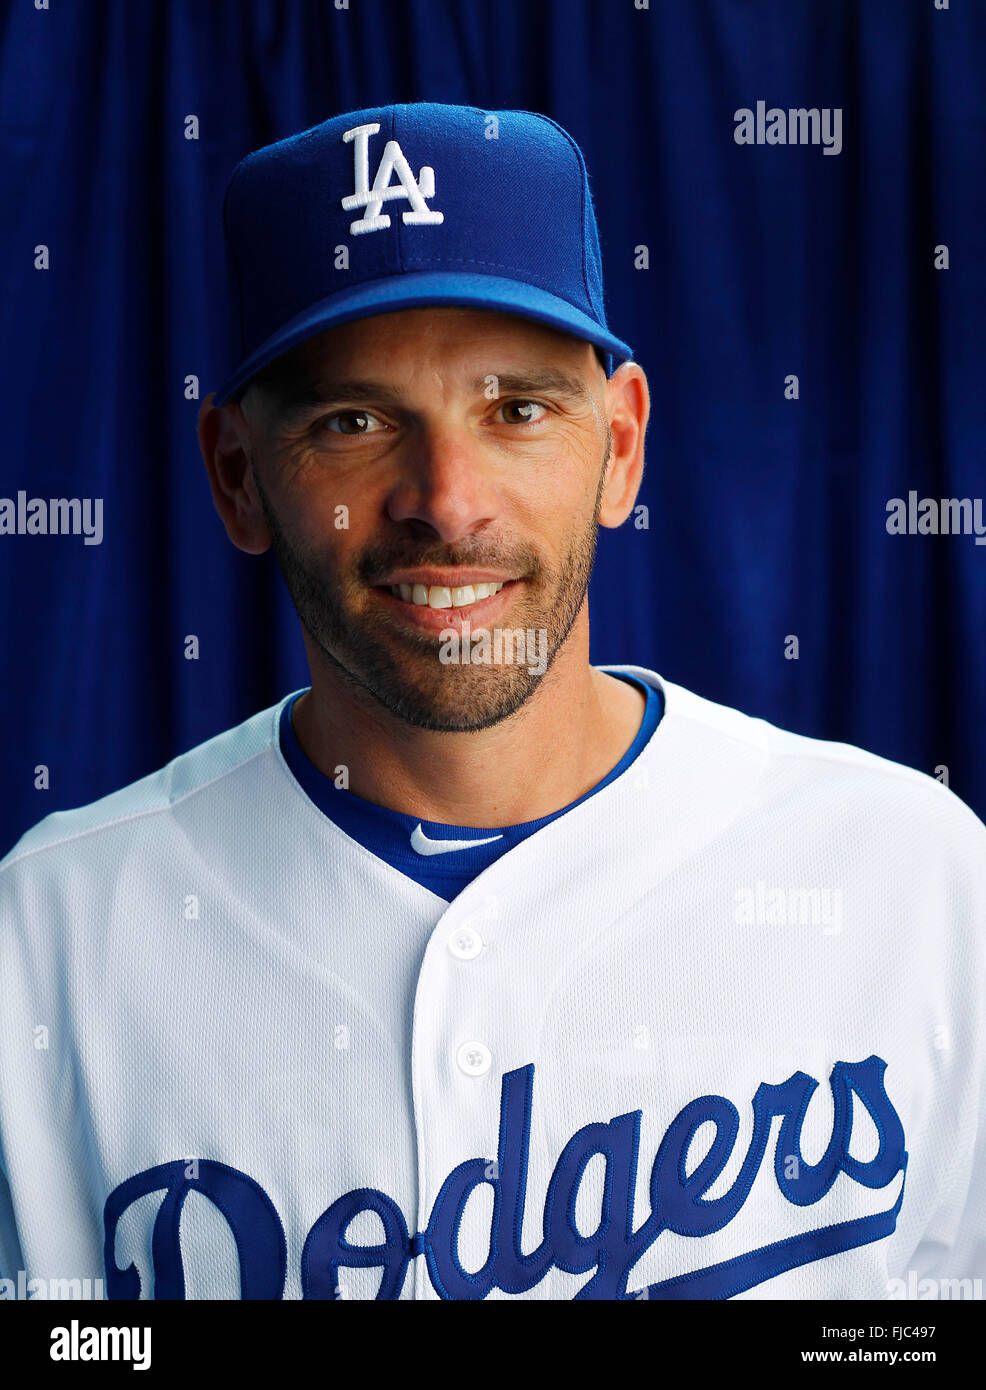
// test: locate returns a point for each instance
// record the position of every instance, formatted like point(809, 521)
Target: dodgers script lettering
point(677, 1203)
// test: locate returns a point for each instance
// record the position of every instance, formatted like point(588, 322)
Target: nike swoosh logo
point(422, 845)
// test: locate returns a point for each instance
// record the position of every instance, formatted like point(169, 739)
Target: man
point(474, 971)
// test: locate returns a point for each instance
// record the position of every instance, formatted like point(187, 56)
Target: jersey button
point(474, 1058)
point(465, 944)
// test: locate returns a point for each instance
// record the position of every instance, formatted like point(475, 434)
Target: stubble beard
point(400, 669)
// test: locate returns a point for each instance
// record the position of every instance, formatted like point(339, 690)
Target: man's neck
point(561, 742)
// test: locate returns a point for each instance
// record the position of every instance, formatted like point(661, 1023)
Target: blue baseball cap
point(395, 207)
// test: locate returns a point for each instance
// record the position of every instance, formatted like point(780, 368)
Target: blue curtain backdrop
point(767, 515)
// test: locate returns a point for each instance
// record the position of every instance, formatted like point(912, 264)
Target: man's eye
point(352, 422)
point(523, 412)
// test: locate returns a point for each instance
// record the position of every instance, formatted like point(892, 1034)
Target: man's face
point(406, 459)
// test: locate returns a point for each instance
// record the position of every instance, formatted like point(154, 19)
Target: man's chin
point(452, 698)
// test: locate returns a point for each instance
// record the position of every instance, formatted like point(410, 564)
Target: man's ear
point(627, 409)
point(224, 439)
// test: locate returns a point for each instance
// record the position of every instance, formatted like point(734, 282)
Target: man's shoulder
point(197, 771)
point(820, 777)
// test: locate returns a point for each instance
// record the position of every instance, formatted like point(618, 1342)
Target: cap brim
point(414, 291)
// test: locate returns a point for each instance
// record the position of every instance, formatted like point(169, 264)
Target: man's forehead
point(363, 359)
point(449, 327)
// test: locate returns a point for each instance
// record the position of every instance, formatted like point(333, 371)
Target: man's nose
point(445, 483)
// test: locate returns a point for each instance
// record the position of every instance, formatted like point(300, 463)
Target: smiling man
point(479, 978)
point(472, 455)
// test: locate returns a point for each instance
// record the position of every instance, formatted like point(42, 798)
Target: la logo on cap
point(392, 161)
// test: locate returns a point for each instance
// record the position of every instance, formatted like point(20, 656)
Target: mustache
point(377, 561)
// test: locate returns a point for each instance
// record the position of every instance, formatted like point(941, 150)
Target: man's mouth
point(434, 606)
point(443, 596)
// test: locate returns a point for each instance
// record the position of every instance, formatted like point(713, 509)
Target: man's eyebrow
point(312, 392)
point(549, 380)
point(316, 391)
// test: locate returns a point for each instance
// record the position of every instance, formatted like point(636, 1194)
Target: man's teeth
point(438, 596)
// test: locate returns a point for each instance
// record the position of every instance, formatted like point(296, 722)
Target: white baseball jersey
point(716, 1032)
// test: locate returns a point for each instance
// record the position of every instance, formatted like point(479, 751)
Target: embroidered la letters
point(392, 161)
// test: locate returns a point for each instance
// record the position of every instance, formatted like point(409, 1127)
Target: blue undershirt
point(388, 834)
